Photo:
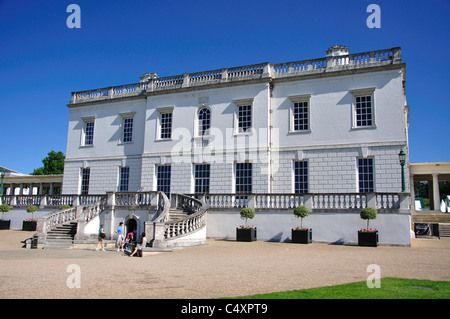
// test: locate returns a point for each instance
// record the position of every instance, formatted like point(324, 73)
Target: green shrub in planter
point(247, 213)
point(64, 206)
point(4, 209)
point(301, 212)
point(31, 209)
point(368, 213)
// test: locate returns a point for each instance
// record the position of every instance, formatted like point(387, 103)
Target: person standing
point(120, 238)
point(101, 236)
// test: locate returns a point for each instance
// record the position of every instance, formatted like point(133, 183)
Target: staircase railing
point(195, 220)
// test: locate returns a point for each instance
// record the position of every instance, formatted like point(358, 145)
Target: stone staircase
point(61, 237)
point(444, 229)
point(175, 214)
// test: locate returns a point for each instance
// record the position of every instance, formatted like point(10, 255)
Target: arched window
point(204, 121)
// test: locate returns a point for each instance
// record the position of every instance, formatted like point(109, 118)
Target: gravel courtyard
point(218, 269)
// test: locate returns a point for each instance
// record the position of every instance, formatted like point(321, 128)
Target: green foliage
point(368, 213)
point(4, 208)
point(247, 213)
point(391, 288)
point(31, 209)
point(53, 164)
point(64, 206)
point(301, 211)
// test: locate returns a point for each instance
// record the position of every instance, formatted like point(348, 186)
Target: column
point(413, 192)
point(436, 195)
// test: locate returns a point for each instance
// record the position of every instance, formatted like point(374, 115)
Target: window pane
point(243, 178)
point(163, 173)
point(124, 179)
point(365, 175)
point(89, 133)
point(364, 111)
point(301, 177)
point(300, 113)
point(244, 118)
point(127, 130)
point(166, 125)
point(85, 175)
point(201, 176)
point(204, 121)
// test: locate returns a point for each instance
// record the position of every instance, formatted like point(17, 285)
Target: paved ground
point(218, 269)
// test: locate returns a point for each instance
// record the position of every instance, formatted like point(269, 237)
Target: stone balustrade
point(257, 71)
point(318, 202)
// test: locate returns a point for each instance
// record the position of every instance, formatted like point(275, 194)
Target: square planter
point(245, 234)
point(369, 239)
point(4, 224)
point(29, 225)
point(301, 236)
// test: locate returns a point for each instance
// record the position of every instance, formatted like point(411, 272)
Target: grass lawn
point(391, 288)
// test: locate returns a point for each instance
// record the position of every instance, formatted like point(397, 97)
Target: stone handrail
point(49, 201)
point(262, 70)
point(195, 220)
point(326, 201)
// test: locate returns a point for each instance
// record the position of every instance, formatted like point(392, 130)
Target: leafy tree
point(53, 164)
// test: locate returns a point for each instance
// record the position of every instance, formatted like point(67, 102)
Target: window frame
point(304, 98)
point(204, 187)
point(84, 131)
point(199, 125)
point(360, 93)
point(121, 186)
point(304, 162)
point(237, 175)
point(369, 188)
point(239, 104)
point(84, 183)
point(159, 129)
point(125, 117)
point(163, 187)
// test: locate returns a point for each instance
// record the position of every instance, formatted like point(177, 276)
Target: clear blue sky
point(42, 61)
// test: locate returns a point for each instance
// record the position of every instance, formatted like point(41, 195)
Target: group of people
point(122, 242)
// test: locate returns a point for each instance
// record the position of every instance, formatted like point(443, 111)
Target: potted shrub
point(367, 236)
point(301, 235)
point(246, 233)
point(30, 223)
point(4, 224)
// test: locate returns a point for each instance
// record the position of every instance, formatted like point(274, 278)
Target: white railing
point(49, 201)
point(324, 202)
point(262, 70)
point(195, 220)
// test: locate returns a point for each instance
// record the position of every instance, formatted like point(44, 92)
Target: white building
point(329, 125)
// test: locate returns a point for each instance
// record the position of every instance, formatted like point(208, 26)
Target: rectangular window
point(363, 111)
point(244, 118)
point(127, 130)
point(163, 173)
point(124, 179)
point(201, 178)
point(300, 116)
point(366, 175)
point(89, 133)
point(300, 177)
point(166, 125)
point(243, 178)
point(85, 176)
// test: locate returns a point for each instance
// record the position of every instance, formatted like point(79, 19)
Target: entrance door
point(132, 227)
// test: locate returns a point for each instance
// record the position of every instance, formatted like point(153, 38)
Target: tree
point(53, 164)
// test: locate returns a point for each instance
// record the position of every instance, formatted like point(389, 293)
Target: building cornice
point(329, 66)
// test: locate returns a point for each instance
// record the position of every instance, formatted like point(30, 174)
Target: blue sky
point(42, 61)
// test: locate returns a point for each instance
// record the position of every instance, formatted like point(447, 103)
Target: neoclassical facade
point(333, 124)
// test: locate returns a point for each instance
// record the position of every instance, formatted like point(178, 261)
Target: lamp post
point(2, 174)
point(402, 159)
